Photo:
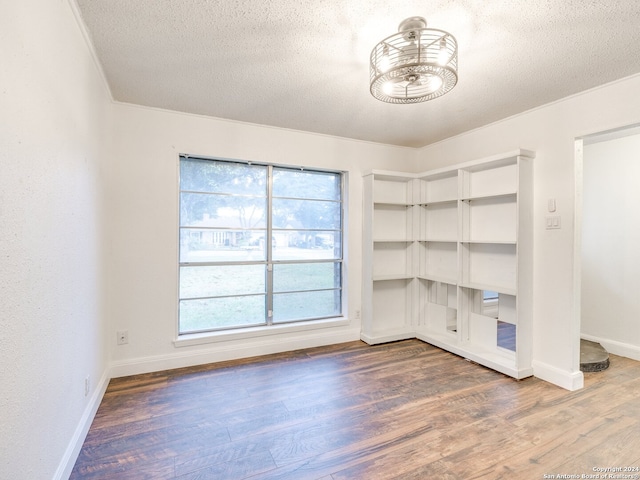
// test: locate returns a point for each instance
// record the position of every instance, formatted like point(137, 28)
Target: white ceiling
point(305, 65)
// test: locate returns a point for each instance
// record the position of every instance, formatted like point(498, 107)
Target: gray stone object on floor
point(593, 357)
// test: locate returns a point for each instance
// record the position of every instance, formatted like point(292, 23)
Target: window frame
point(269, 326)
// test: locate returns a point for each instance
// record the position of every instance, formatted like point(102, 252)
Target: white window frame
point(269, 327)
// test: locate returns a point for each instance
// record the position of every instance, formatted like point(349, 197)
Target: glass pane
point(306, 305)
point(222, 177)
point(506, 336)
point(305, 245)
point(219, 281)
point(212, 245)
point(222, 211)
point(304, 184)
point(306, 276)
point(214, 313)
point(311, 214)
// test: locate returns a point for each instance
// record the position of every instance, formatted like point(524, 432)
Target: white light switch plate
point(552, 222)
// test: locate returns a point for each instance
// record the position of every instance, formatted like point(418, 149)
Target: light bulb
point(435, 83)
point(385, 62)
point(387, 88)
point(443, 54)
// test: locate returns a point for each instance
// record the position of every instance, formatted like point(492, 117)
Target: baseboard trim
point(617, 348)
point(562, 378)
point(220, 353)
point(386, 338)
point(65, 467)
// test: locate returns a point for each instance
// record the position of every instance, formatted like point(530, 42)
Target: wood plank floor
point(403, 410)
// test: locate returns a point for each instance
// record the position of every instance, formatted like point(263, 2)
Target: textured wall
point(53, 109)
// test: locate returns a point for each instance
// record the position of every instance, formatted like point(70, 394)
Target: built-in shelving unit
point(448, 259)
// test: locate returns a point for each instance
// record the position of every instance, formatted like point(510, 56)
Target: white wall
point(550, 131)
point(53, 117)
point(610, 245)
point(89, 228)
point(143, 224)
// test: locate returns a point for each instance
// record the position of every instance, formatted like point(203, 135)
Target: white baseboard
point(386, 338)
point(73, 449)
point(617, 348)
point(562, 378)
point(219, 352)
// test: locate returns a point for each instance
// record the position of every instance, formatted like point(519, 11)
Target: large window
point(259, 245)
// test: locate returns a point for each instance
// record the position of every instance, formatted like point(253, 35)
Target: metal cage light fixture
point(414, 65)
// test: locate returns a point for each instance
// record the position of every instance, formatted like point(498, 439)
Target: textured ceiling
point(305, 65)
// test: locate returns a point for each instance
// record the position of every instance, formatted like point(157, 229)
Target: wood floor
point(403, 410)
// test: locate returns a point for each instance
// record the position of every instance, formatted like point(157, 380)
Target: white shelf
point(387, 278)
point(392, 204)
point(392, 240)
point(463, 230)
point(492, 196)
point(438, 278)
point(438, 240)
point(451, 201)
point(500, 361)
point(490, 288)
point(489, 242)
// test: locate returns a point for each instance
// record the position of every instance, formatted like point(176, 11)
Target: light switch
point(551, 205)
point(553, 222)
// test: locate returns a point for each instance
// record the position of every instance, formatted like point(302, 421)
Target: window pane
point(223, 280)
point(305, 245)
point(222, 211)
point(215, 313)
point(214, 245)
point(306, 276)
point(222, 177)
point(305, 184)
point(305, 305)
point(225, 232)
point(308, 214)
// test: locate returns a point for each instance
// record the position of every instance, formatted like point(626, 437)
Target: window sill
point(253, 332)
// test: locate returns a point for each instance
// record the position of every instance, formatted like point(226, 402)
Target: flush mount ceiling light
point(414, 65)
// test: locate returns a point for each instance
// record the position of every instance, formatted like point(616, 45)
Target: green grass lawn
point(223, 308)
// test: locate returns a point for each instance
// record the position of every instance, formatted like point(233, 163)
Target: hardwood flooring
point(403, 410)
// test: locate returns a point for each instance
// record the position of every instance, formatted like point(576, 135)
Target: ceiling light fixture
point(414, 65)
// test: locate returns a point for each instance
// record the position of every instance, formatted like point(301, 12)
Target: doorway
point(607, 246)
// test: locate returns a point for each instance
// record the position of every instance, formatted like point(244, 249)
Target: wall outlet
point(87, 385)
point(357, 314)
point(122, 337)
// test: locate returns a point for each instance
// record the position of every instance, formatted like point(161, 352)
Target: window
point(259, 245)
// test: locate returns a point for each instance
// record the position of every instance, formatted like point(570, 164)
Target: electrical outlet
point(87, 385)
point(122, 337)
point(357, 314)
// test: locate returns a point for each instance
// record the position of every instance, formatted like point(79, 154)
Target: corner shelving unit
point(389, 226)
point(448, 259)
